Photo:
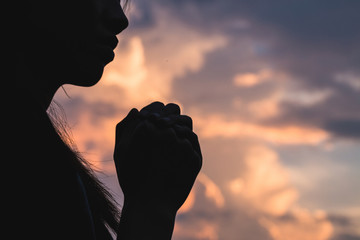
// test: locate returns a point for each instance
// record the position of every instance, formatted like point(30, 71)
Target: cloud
point(250, 79)
point(260, 203)
point(96, 140)
point(314, 44)
point(217, 126)
point(266, 187)
point(264, 108)
point(212, 191)
point(209, 220)
point(347, 128)
point(204, 231)
point(204, 196)
point(306, 97)
point(349, 79)
point(346, 237)
point(346, 227)
point(300, 224)
point(265, 184)
point(129, 70)
point(147, 64)
point(257, 78)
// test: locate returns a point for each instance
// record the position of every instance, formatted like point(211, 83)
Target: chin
point(91, 77)
point(86, 78)
point(88, 73)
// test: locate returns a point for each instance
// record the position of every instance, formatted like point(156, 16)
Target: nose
point(114, 18)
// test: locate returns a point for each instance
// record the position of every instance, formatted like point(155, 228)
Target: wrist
point(148, 209)
point(145, 220)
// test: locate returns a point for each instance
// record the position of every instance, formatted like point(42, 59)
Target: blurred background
point(273, 88)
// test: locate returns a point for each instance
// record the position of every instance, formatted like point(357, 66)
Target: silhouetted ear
point(172, 108)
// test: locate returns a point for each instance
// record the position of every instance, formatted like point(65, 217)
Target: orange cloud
point(201, 228)
point(95, 141)
point(212, 191)
point(302, 225)
point(264, 108)
point(202, 231)
point(146, 65)
point(265, 183)
point(189, 203)
point(217, 126)
point(265, 186)
point(251, 79)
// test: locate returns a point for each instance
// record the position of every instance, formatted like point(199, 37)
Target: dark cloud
point(308, 38)
point(310, 41)
point(338, 114)
point(144, 16)
point(340, 220)
point(307, 21)
point(301, 18)
point(345, 237)
point(344, 128)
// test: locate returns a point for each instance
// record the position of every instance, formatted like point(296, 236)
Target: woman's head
point(68, 41)
point(54, 43)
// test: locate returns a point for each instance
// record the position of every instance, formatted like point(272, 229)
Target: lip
point(108, 40)
point(103, 48)
point(104, 53)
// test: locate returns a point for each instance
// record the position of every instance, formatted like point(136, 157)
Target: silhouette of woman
point(51, 192)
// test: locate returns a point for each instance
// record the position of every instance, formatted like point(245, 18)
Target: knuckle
point(158, 103)
point(118, 126)
point(173, 106)
point(186, 146)
point(170, 133)
point(195, 136)
point(200, 163)
point(133, 110)
point(172, 109)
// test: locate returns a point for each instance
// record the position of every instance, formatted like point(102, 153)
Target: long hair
point(102, 203)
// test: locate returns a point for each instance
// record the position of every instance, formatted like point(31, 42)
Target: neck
point(46, 96)
point(36, 86)
point(40, 97)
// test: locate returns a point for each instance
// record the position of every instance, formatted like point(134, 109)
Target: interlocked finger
point(186, 133)
point(171, 109)
point(155, 107)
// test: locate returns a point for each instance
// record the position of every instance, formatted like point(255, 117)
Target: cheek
point(68, 67)
point(89, 63)
point(59, 32)
point(66, 61)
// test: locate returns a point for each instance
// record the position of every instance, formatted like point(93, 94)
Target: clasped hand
point(157, 156)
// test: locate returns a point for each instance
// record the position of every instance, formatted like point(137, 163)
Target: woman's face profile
point(75, 39)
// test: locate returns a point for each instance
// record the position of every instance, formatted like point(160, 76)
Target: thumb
point(127, 122)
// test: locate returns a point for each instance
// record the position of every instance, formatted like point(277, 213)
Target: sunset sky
point(273, 88)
